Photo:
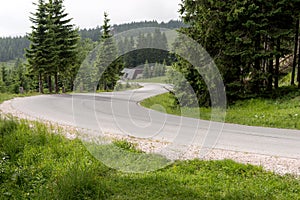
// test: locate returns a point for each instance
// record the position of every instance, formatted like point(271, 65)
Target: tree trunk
point(257, 62)
point(276, 75)
point(257, 49)
point(72, 85)
point(298, 74)
point(50, 84)
point(41, 90)
point(270, 74)
point(56, 83)
point(295, 53)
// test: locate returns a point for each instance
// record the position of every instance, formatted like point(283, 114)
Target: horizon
point(92, 28)
point(14, 20)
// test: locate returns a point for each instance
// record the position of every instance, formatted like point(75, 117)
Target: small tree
point(108, 64)
point(147, 71)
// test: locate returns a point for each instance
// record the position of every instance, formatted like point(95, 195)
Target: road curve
point(120, 112)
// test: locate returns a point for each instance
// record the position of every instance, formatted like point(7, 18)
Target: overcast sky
point(14, 14)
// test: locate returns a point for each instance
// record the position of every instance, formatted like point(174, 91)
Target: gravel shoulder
point(279, 165)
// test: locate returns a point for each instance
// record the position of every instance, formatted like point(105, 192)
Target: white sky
point(14, 14)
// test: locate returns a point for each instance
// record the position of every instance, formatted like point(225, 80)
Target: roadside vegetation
point(161, 79)
point(127, 86)
point(8, 96)
point(280, 109)
point(37, 164)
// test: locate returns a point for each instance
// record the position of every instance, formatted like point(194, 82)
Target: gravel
point(279, 165)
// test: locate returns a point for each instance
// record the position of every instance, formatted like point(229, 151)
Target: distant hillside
point(94, 34)
point(12, 48)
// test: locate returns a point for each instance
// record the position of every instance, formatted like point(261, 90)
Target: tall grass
point(35, 164)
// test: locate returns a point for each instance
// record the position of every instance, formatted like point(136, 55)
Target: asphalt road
point(121, 113)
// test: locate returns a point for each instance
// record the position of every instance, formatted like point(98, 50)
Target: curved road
point(120, 113)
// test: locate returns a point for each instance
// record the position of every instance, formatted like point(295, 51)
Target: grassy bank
point(280, 112)
point(161, 79)
point(8, 96)
point(35, 164)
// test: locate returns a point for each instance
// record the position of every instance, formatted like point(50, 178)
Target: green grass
point(162, 79)
point(281, 112)
point(127, 86)
point(8, 96)
point(35, 164)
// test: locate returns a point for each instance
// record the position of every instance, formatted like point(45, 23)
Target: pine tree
point(147, 71)
point(295, 51)
point(65, 41)
point(244, 38)
point(53, 47)
point(107, 62)
point(36, 53)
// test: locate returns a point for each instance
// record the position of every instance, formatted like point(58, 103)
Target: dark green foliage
point(141, 47)
point(246, 39)
point(12, 48)
point(15, 79)
point(147, 70)
point(107, 63)
point(53, 48)
point(37, 53)
point(95, 33)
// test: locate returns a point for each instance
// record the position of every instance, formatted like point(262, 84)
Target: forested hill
point(13, 47)
point(94, 33)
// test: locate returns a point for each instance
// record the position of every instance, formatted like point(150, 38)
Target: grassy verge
point(35, 164)
point(282, 112)
point(8, 96)
point(162, 79)
point(127, 86)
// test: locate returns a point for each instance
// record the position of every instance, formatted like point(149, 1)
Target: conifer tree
point(36, 54)
point(53, 47)
point(107, 62)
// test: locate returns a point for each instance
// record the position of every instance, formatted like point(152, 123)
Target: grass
point(8, 96)
point(280, 112)
point(161, 79)
point(36, 164)
point(127, 86)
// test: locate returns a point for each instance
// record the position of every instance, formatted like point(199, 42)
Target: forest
point(12, 48)
point(253, 43)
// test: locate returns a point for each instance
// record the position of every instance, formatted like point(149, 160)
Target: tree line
point(95, 33)
point(133, 51)
point(12, 48)
point(151, 47)
point(248, 40)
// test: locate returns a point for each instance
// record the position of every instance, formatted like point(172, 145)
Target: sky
point(14, 14)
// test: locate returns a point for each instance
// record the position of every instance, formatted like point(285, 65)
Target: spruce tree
point(53, 43)
point(147, 71)
point(36, 54)
point(64, 39)
point(107, 62)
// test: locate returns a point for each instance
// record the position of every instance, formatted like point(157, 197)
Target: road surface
point(121, 113)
